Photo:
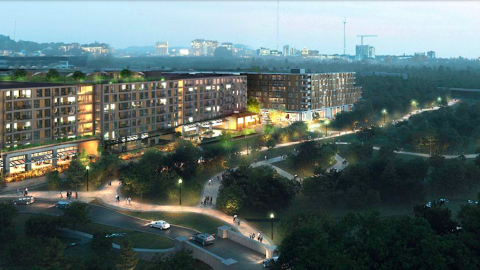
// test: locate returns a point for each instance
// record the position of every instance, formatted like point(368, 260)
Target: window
point(36, 135)
point(36, 103)
point(39, 92)
point(47, 102)
point(48, 133)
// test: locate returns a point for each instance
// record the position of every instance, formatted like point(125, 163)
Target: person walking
point(238, 222)
point(253, 236)
point(210, 182)
point(234, 217)
point(265, 157)
point(61, 194)
point(211, 200)
point(129, 200)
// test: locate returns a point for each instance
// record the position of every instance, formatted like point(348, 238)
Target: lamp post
point(180, 183)
point(87, 175)
point(271, 217)
point(326, 127)
point(414, 104)
point(439, 99)
point(384, 114)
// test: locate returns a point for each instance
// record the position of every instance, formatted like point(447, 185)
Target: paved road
point(247, 259)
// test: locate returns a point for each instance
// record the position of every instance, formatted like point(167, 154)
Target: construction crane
point(362, 36)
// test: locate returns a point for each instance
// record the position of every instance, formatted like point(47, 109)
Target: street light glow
point(180, 181)
point(439, 99)
point(272, 215)
point(384, 111)
point(88, 167)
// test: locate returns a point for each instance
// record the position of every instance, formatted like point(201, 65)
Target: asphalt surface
point(246, 258)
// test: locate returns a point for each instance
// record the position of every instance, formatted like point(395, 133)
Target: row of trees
point(386, 178)
point(260, 188)
point(430, 240)
point(447, 128)
point(310, 154)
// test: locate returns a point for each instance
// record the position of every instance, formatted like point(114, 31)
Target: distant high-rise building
point(286, 50)
point(293, 52)
point(202, 47)
point(304, 51)
point(161, 48)
point(364, 52)
point(225, 50)
point(263, 51)
point(431, 54)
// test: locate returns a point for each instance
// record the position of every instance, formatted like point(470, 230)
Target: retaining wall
point(228, 233)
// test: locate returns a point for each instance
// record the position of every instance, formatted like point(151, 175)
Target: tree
point(270, 144)
point(53, 75)
point(185, 159)
point(127, 258)
point(231, 200)
point(469, 217)
point(106, 165)
point(101, 245)
point(253, 105)
point(7, 212)
point(20, 74)
point(256, 188)
point(42, 226)
point(76, 214)
point(125, 73)
point(28, 253)
point(438, 216)
point(78, 75)
point(53, 179)
point(181, 260)
point(75, 174)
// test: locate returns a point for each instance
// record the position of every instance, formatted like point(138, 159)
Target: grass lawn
point(301, 172)
point(194, 221)
point(139, 239)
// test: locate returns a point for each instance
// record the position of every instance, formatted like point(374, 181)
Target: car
point(63, 204)
point(24, 200)
point(160, 224)
point(429, 204)
point(203, 238)
point(470, 201)
point(443, 200)
point(268, 262)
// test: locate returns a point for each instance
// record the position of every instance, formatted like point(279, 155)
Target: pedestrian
point(76, 195)
point(211, 200)
point(265, 157)
point(210, 182)
point(234, 217)
point(259, 235)
point(261, 239)
point(253, 236)
point(238, 222)
point(61, 195)
point(218, 178)
point(129, 200)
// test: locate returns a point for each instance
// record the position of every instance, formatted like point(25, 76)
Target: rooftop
point(14, 85)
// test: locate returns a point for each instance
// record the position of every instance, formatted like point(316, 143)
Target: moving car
point(63, 204)
point(160, 224)
point(203, 238)
point(269, 262)
point(24, 200)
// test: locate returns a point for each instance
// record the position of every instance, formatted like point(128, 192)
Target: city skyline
point(402, 27)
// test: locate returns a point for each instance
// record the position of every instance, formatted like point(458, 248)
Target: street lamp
point(414, 104)
point(326, 129)
point(87, 175)
point(180, 183)
point(271, 217)
point(384, 114)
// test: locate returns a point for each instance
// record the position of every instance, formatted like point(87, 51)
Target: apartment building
point(52, 118)
point(161, 48)
point(305, 95)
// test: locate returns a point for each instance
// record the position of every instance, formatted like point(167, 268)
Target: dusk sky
point(450, 28)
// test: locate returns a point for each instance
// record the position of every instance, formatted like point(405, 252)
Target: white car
point(160, 224)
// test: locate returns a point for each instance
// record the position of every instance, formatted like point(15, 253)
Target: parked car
point(470, 201)
point(268, 262)
point(63, 204)
point(203, 238)
point(24, 200)
point(160, 224)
